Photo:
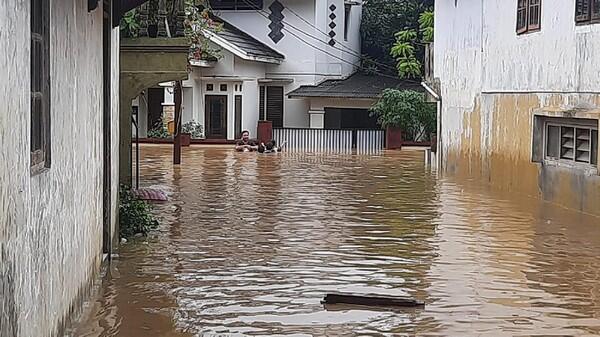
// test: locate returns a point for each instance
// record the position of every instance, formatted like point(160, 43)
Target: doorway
point(216, 116)
point(155, 108)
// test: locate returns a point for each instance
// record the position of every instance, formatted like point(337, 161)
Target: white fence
point(330, 140)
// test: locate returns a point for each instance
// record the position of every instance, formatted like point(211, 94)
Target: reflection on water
point(249, 244)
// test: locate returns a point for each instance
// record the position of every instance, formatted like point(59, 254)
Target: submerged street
point(249, 244)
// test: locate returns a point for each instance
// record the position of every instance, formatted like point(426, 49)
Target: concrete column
point(317, 119)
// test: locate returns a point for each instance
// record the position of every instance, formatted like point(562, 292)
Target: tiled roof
point(245, 42)
point(359, 85)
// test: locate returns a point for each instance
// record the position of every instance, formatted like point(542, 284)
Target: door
point(216, 116)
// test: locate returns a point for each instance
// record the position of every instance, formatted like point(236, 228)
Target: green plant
point(381, 19)
point(197, 23)
point(407, 42)
point(130, 24)
point(135, 215)
point(408, 111)
point(194, 128)
point(160, 132)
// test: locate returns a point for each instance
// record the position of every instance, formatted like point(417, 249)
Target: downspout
point(438, 101)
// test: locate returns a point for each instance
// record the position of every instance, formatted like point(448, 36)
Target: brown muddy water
point(249, 244)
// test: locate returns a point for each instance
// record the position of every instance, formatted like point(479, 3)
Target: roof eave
point(237, 51)
point(347, 96)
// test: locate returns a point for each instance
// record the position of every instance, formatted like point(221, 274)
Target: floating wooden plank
point(372, 300)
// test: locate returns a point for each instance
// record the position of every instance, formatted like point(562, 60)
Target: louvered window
point(275, 106)
point(572, 140)
point(529, 15)
point(40, 85)
point(261, 103)
point(587, 11)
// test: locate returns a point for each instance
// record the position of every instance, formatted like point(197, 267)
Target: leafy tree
point(407, 42)
point(407, 110)
point(382, 19)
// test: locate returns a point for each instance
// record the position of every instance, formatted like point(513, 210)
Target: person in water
point(270, 147)
point(246, 144)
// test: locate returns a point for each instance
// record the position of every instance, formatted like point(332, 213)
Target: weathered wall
point(493, 81)
point(51, 223)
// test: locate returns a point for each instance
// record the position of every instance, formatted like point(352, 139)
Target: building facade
point(520, 100)
point(269, 48)
point(58, 158)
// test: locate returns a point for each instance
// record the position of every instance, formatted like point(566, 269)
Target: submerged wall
point(51, 223)
point(493, 83)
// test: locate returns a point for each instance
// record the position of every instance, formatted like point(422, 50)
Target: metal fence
point(330, 140)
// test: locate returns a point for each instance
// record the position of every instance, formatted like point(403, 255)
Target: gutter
point(431, 91)
point(438, 100)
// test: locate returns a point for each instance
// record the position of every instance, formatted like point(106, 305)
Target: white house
point(520, 100)
point(282, 60)
point(58, 158)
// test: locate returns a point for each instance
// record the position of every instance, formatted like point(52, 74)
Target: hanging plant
point(199, 20)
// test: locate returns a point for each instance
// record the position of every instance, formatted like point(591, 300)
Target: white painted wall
point(457, 62)
point(306, 33)
point(51, 223)
point(477, 51)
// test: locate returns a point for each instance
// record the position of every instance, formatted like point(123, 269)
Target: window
point(223, 87)
point(587, 11)
point(347, 12)
point(528, 15)
point(209, 87)
point(236, 4)
point(570, 140)
point(270, 105)
point(40, 85)
point(238, 116)
point(261, 103)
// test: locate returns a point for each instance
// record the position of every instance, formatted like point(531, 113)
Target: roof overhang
point(333, 96)
point(275, 80)
point(235, 50)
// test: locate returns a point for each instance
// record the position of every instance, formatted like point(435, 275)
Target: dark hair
point(246, 131)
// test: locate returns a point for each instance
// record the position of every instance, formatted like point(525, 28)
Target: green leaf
point(426, 20)
point(406, 35)
point(402, 49)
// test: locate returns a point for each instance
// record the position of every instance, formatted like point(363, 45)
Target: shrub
point(134, 214)
point(159, 132)
point(193, 128)
point(408, 111)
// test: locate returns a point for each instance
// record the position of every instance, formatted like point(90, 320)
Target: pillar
point(317, 119)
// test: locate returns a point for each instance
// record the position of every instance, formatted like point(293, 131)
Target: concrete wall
point(51, 223)
point(494, 81)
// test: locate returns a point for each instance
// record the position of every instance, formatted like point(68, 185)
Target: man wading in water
point(246, 144)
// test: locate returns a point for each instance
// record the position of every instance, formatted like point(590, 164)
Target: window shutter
point(261, 104)
point(522, 6)
point(582, 10)
point(595, 4)
point(535, 9)
point(275, 106)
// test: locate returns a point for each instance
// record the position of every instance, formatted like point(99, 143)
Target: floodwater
point(249, 244)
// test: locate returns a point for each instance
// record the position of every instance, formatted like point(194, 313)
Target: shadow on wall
point(8, 311)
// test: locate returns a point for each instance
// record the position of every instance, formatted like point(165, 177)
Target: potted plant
point(405, 115)
point(191, 130)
